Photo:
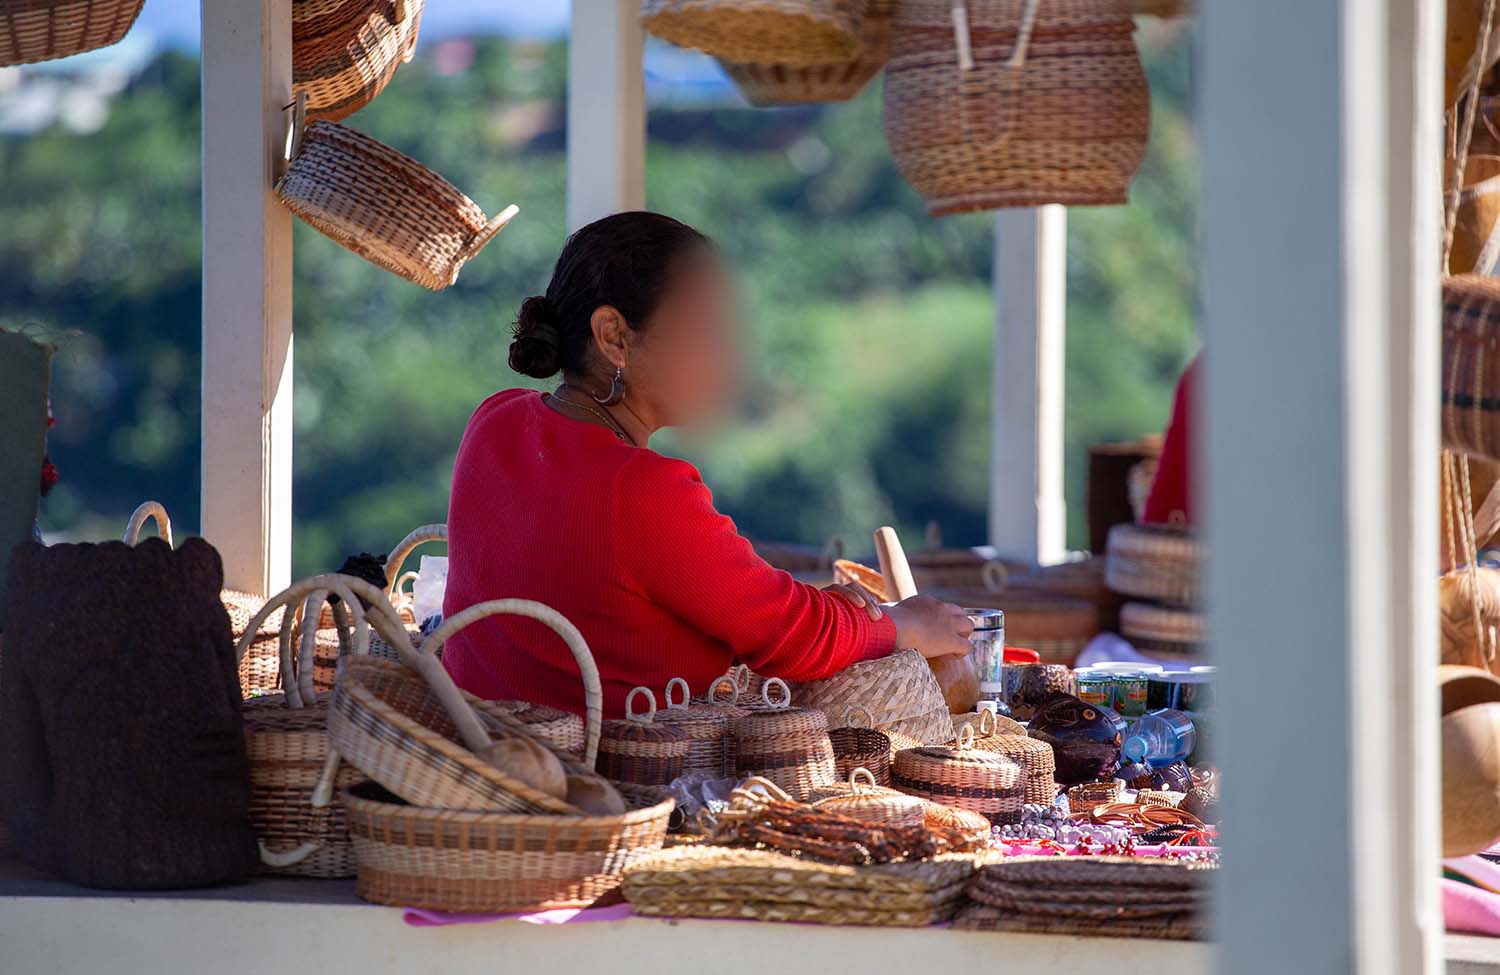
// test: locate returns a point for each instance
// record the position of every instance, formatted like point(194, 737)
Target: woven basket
point(42, 30)
point(300, 829)
point(988, 723)
point(787, 745)
point(867, 802)
point(1162, 631)
point(865, 747)
point(706, 727)
point(899, 692)
point(416, 733)
point(1056, 627)
point(966, 821)
point(963, 776)
point(344, 52)
point(492, 863)
point(1040, 101)
point(639, 750)
point(382, 205)
point(729, 704)
point(760, 31)
point(839, 81)
point(1157, 562)
point(1035, 757)
point(1087, 795)
point(563, 730)
point(1471, 367)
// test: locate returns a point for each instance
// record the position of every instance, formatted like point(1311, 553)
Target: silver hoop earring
point(616, 389)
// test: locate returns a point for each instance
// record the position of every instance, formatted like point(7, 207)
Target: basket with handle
point(861, 746)
point(640, 750)
point(866, 801)
point(728, 703)
point(760, 31)
point(1012, 103)
point(43, 30)
point(301, 831)
point(1038, 763)
point(705, 725)
point(963, 776)
point(382, 205)
point(786, 745)
point(837, 81)
point(260, 664)
point(344, 52)
point(1471, 367)
point(899, 691)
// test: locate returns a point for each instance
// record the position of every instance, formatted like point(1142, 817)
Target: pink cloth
point(437, 919)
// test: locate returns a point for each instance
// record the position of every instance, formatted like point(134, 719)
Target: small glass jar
point(987, 650)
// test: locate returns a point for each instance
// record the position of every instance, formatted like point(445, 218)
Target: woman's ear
point(611, 334)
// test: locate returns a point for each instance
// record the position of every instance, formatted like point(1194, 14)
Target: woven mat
point(1103, 871)
point(1036, 903)
point(1183, 927)
point(692, 867)
point(993, 890)
point(796, 894)
point(760, 911)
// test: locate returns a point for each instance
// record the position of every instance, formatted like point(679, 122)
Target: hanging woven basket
point(42, 30)
point(1471, 365)
point(1015, 103)
point(382, 205)
point(793, 32)
point(838, 81)
point(344, 52)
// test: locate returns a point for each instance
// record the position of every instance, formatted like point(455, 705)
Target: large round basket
point(839, 81)
point(344, 52)
point(384, 206)
point(964, 776)
point(492, 863)
point(899, 692)
point(1035, 757)
point(1163, 631)
point(41, 30)
point(1471, 367)
point(1156, 562)
point(860, 745)
point(760, 31)
point(1039, 101)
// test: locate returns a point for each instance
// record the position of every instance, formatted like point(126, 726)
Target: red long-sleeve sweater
point(625, 543)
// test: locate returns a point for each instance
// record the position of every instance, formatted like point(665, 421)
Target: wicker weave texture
point(344, 52)
point(791, 32)
point(384, 206)
point(791, 84)
point(788, 746)
point(964, 777)
point(1471, 365)
point(1064, 119)
point(898, 691)
point(1163, 629)
point(41, 30)
point(1154, 562)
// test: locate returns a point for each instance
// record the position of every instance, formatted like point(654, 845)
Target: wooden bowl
point(1471, 759)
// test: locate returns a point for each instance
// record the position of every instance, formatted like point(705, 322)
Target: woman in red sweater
point(556, 497)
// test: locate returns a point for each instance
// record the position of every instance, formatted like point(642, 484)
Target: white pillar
point(1028, 517)
point(247, 292)
point(1321, 320)
point(606, 111)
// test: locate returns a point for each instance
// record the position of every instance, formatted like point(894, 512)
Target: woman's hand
point(933, 627)
point(859, 596)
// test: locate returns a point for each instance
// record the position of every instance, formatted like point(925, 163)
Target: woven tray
point(344, 52)
point(793, 878)
point(799, 913)
point(760, 31)
point(981, 917)
point(43, 30)
point(382, 205)
point(789, 84)
point(1154, 562)
point(899, 692)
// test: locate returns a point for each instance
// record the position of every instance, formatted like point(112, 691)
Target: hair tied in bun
point(536, 349)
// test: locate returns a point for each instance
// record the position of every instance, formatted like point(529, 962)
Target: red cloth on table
point(1172, 489)
point(627, 545)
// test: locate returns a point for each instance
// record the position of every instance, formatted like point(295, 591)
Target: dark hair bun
point(536, 350)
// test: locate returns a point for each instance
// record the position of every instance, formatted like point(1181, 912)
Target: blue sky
point(175, 22)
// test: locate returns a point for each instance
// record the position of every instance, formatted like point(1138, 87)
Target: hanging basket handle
point(484, 236)
point(853, 711)
point(765, 694)
point(345, 588)
point(448, 692)
point(640, 717)
point(149, 510)
point(437, 532)
point(966, 738)
point(687, 694)
point(397, 594)
point(995, 576)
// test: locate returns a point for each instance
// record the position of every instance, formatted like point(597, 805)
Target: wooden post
point(1027, 512)
point(1321, 319)
point(606, 111)
point(247, 292)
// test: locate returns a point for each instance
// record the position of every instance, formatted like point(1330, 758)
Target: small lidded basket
point(729, 704)
point(705, 725)
point(640, 750)
point(861, 746)
point(787, 745)
point(868, 801)
point(1038, 763)
point(966, 777)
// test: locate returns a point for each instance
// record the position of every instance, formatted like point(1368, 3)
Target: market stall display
point(971, 778)
point(1164, 631)
point(345, 52)
point(786, 745)
point(1085, 738)
point(639, 750)
point(861, 746)
point(44, 30)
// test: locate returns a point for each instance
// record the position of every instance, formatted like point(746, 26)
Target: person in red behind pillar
point(556, 497)
point(1171, 497)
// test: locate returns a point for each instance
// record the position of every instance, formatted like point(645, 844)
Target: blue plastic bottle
point(1160, 738)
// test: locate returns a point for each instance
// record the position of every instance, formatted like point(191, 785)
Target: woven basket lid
point(940, 816)
point(868, 801)
point(941, 761)
point(696, 720)
point(642, 727)
point(778, 718)
point(1034, 754)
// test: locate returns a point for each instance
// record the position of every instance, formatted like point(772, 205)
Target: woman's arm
point(688, 558)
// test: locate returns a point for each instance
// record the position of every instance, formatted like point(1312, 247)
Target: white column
point(606, 111)
point(1028, 517)
point(247, 292)
point(1321, 320)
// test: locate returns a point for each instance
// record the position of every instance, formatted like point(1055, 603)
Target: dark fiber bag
point(122, 752)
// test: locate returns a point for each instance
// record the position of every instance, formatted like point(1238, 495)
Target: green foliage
point(868, 389)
